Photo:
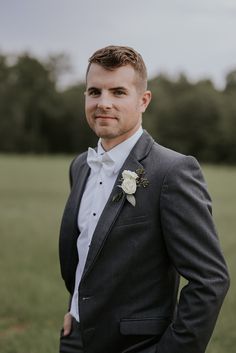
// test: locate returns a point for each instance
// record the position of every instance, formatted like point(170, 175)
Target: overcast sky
point(192, 36)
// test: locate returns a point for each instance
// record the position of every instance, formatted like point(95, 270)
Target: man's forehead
point(119, 77)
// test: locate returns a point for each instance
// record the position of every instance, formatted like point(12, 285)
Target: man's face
point(114, 104)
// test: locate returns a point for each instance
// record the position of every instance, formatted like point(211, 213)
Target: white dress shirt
point(97, 191)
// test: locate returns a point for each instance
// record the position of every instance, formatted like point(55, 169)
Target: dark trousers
point(73, 342)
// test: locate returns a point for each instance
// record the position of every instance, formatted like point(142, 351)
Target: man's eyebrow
point(93, 88)
point(110, 89)
point(118, 88)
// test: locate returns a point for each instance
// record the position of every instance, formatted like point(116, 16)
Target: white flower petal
point(127, 174)
point(129, 186)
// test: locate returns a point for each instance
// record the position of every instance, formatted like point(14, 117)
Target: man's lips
point(104, 117)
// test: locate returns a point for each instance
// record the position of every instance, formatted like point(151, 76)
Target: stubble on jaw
point(112, 139)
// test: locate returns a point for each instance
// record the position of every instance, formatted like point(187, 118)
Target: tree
point(230, 81)
point(38, 115)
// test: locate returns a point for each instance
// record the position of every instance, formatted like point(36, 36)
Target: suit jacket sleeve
point(71, 184)
point(194, 250)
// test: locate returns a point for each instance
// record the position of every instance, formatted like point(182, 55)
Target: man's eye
point(119, 92)
point(94, 93)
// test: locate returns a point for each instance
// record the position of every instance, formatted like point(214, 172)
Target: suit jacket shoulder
point(75, 165)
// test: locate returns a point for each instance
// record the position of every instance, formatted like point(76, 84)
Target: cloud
point(172, 35)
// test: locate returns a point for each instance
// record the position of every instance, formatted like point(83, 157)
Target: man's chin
point(105, 134)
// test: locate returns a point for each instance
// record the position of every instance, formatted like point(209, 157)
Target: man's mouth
point(104, 117)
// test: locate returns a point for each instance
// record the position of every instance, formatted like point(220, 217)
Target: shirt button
point(94, 214)
point(100, 183)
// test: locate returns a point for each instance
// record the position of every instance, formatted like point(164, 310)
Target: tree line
point(37, 116)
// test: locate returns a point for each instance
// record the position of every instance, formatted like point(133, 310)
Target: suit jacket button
point(86, 298)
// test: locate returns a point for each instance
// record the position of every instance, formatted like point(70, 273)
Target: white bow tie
point(104, 161)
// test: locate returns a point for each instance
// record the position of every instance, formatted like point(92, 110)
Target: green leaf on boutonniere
point(141, 181)
point(140, 172)
point(117, 197)
point(144, 182)
point(131, 199)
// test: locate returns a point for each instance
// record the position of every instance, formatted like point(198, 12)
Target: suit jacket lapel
point(112, 208)
point(69, 229)
point(77, 192)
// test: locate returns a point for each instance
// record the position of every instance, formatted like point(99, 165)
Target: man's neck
point(108, 144)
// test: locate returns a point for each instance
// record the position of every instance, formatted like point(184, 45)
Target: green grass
point(32, 296)
point(33, 299)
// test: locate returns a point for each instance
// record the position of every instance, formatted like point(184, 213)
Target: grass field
point(33, 300)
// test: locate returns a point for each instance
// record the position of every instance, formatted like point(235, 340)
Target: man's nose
point(104, 102)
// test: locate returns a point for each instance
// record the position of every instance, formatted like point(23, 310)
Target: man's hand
point(67, 325)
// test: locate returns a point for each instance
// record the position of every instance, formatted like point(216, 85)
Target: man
point(138, 217)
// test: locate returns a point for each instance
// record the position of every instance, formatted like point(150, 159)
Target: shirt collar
point(120, 152)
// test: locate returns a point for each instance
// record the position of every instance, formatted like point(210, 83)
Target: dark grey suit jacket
point(129, 288)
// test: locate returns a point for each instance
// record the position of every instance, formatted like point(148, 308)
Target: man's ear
point(145, 100)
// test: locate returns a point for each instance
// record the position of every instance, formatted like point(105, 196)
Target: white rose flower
point(127, 174)
point(129, 185)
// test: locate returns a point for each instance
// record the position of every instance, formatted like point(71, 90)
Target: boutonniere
point(129, 183)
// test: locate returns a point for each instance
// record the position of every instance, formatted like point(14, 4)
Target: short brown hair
point(113, 57)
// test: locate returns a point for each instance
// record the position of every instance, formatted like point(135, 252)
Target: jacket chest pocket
point(132, 221)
